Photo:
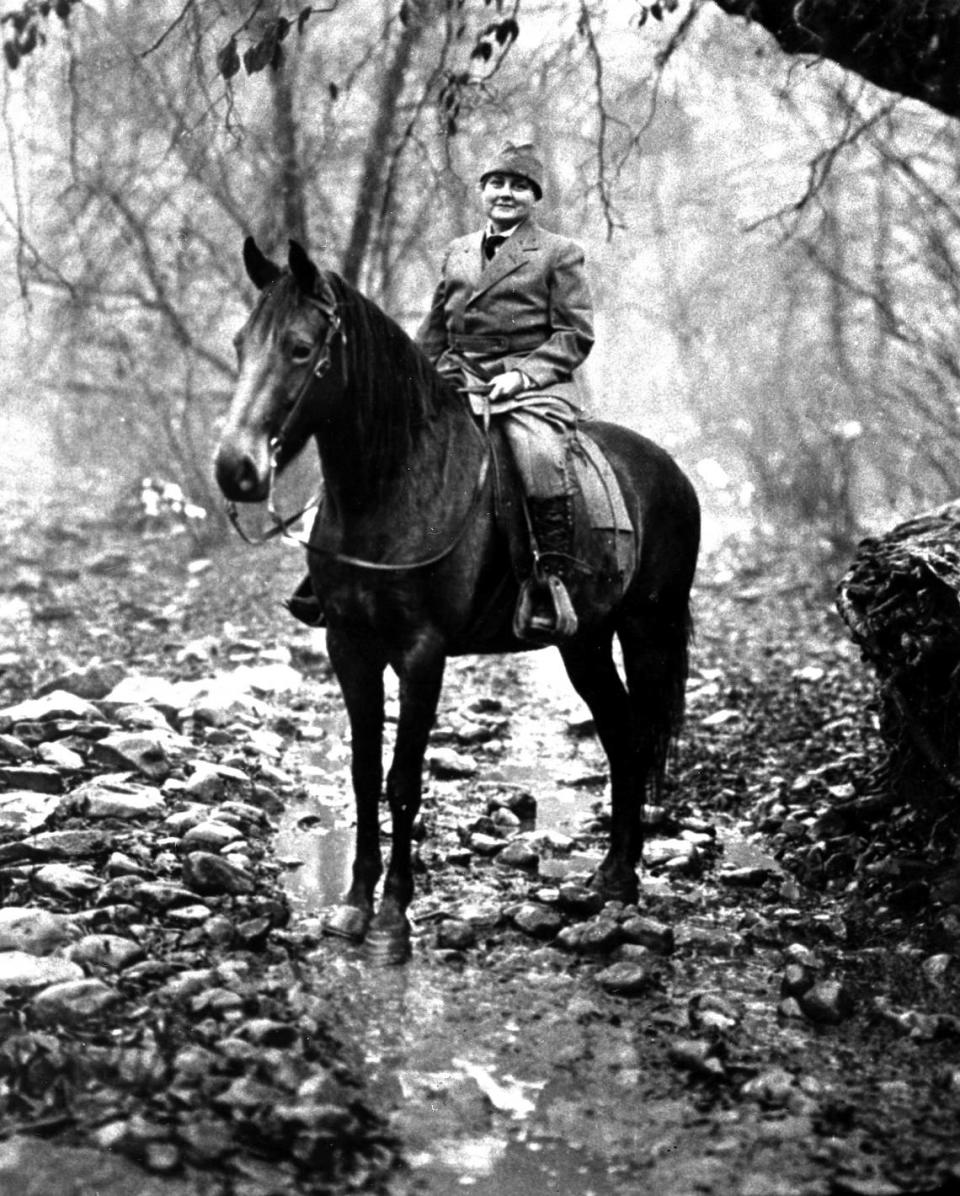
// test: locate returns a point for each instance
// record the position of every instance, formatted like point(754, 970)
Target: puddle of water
point(320, 831)
point(492, 1166)
point(420, 1056)
point(326, 853)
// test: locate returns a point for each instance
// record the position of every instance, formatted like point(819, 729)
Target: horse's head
point(283, 349)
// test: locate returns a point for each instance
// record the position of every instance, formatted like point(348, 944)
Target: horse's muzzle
point(243, 470)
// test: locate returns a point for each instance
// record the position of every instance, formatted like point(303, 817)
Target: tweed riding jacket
point(528, 309)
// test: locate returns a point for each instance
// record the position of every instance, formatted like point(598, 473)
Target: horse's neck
point(427, 486)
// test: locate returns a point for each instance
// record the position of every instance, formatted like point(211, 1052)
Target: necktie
point(491, 244)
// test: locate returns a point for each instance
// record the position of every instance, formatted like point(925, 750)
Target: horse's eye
point(300, 354)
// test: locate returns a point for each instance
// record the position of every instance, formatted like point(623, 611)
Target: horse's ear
point(260, 270)
point(303, 270)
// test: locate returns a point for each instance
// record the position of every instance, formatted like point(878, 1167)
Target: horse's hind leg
point(654, 647)
point(590, 666)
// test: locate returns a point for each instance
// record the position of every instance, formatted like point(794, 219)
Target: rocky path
point(774, 1016)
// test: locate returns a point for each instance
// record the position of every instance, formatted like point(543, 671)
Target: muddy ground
point(778, 1015)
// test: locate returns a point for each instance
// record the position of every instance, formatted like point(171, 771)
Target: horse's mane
point(394, 390)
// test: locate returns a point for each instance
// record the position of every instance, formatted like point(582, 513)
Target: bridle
point(318, 366)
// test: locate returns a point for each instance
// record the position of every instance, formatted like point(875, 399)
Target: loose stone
point(772, 1087)
point(485, 845)
point(158, 896)
point(14, 748)
point(188, 917)
point(35, 778)
point(696, 1056)
point(60, 757)
point(93, 681)
point(625, 979)
point(596, 938)
point(117, 799)
point(445, 763)
point(649, 932)
point(64, 881)
point(253, 933)
point(745, 878)
point(204, 872)
point(827, 1002)
point(105, 950)
point(520, 855)
point(58, 704)
point(936, 969)
point(27, 811)
point(269, 1033)
point(455, 935)
point(121, 864)
point(36, 931)
point(68, 845)
point(20, 970)
point(74, 1002)
point(580, 901)
point(796, 980)
point(539, 921)
point(149, 753)
point(657, 853)
point(211, 835)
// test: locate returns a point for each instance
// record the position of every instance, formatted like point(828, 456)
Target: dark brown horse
point(410, 557)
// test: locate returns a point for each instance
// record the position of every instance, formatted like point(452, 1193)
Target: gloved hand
point(505, 386)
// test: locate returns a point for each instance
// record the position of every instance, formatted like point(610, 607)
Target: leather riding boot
point(304, 605)
point(545, 612)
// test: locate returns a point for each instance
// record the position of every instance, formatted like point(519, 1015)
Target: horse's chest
point(381, 608)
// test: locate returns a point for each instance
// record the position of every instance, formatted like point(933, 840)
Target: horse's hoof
point(625, 890)
point(388, 946)
point(347, 922)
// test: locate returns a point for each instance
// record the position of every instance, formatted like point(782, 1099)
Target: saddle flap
point(605, 509)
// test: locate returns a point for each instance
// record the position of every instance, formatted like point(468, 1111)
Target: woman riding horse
point(511, 319)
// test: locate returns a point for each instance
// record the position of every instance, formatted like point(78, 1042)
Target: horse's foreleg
point(590, 666)
point(421, 674)
point(360, 673)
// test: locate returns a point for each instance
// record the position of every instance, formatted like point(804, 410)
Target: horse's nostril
point(247, 476)
point(237, 474)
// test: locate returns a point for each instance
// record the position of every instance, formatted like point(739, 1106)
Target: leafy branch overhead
point(900, 45)
point(24, 27)
point(267, 49)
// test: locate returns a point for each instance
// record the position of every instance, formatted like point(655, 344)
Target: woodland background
point(772, 241)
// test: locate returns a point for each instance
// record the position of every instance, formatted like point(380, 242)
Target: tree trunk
point(901, 602)
point(287, 210)
point(900, 45)
point(377, 155)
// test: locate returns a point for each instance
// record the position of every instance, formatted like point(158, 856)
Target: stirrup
point(532, 624)
point(304, 605)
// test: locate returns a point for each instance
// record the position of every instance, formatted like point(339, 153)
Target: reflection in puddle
point(326, 852)
point(468, 1123)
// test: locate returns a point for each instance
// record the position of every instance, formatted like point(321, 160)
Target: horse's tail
point(677, 647)
point(657, 665)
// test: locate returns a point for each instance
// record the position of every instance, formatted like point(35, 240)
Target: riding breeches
point(537, 427)
point(539, 448)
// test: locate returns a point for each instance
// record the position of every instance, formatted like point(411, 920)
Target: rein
point(320, 362)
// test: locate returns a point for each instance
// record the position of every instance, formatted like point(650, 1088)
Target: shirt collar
point(490, 231)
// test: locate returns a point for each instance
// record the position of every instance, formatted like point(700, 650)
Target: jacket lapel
point(512, 255)
point(472, 259)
